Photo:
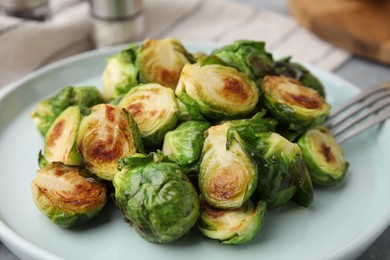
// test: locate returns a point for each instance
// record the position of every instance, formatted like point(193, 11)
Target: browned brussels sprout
point(227, 176)
point(161, 61)
point(155, 110)
point(216, 91)
point(108, 134)
point(293, 104)
point(60, 140)
point(232, 226)
point(68, 196)
point(323, 157)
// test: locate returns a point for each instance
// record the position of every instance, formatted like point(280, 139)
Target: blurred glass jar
point(116, 21)
point(27, 9)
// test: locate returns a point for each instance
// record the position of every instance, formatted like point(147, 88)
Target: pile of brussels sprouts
point(179, 140)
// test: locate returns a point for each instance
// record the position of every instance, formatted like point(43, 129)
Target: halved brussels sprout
point(159, 202)
point(155, 110)
point(106, 135)
point(299, 72)
point(217, 91)
point(184, 144)
point(47, 110)
point(293, 104)
point(249, 57)
point(227, 175)
point(162, 60)
point(323, 157)
point(121, 73)
point(68, 196)
point(60, 139)
point(232, 226)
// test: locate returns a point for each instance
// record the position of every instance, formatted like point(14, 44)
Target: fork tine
point(363, 95)
point(362, 109)
point(383, 115)
point(348, 124)
point(369, 101)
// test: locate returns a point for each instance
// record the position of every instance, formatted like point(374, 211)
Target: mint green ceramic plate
point(342, 222)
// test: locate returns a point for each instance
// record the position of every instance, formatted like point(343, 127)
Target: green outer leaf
point(125, 66)
point(158, 201)
point(280, 169)
point(87, 96)
point(248, 128)
point(249, 57)
point(42, 162)
point(305, 192)
point(184, 144)
point(208, 60)
point(136, 133)
point(47, 110)
point(191, 107)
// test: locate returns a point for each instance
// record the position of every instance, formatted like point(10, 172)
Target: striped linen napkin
point(28, 45)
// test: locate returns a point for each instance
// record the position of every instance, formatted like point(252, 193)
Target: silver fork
point(368, 108)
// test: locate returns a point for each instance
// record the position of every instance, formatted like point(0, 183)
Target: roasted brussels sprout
point(216, 91)
point(68, 196)
point(155, 110)
point(121, 72)
point(323, 157)
point(280, 164)
point(108, 134)
point(232, 226)
point(299, 72)
point(227, 175)
point(184, 144)
point(162, 60)
point(249, 57)
point(60, 139)
point(281, 169)
point(48, 109)
point(159, 202)
point(293, 104)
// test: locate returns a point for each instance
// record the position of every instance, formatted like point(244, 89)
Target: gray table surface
point(363, 74)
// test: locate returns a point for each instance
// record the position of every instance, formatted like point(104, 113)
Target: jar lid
point(115, 9)
point(22, 4)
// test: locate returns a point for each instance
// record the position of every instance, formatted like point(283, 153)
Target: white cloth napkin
point(28, 45)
